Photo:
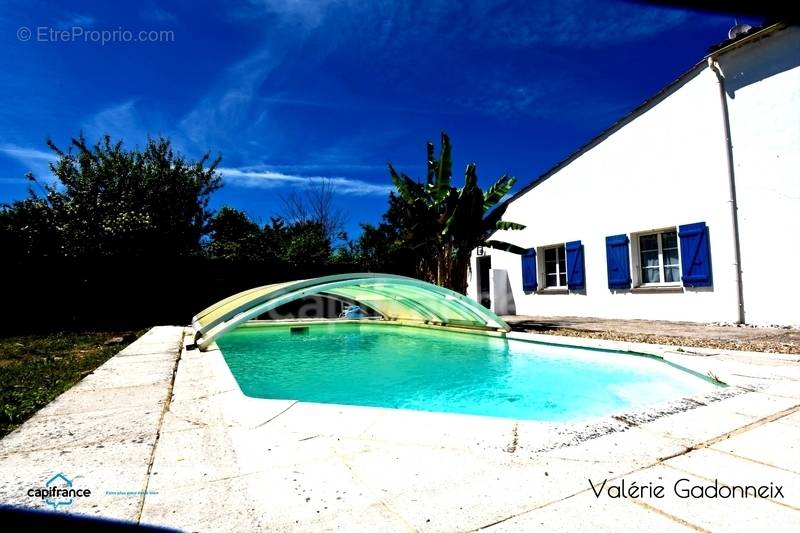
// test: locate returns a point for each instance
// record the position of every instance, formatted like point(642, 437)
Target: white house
point(688, 208)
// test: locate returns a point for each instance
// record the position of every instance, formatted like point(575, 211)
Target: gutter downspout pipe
point(713, 65)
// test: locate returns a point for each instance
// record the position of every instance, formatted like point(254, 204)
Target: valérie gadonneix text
point(685, 488)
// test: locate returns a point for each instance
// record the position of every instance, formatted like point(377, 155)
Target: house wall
point(665, 168)
point(762, 81)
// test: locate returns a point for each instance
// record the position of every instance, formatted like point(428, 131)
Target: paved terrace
point(172, 423)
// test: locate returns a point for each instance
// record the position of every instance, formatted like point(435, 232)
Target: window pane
point(669, 239)
point(670, 257)
point(550, 254)
point(671, 274)
point(562, 265)
point(561, 253)
point(648, 242)
point(562, 281)
point(551, 280)
point(651, 275)
point(650, 259)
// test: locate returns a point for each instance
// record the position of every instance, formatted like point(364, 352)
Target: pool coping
point(241, 406)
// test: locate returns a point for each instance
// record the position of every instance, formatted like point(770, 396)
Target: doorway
point(484, 266)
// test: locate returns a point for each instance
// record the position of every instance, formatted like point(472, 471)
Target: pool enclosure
point(393, 298)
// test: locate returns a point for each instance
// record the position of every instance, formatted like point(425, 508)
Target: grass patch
point(35, 369)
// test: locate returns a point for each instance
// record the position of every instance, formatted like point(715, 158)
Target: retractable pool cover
point(395, 298)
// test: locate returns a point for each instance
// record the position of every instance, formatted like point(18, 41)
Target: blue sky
point(293, 91)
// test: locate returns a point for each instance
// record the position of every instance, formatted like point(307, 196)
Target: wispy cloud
point(118, 120)
point(75, 20)
point(308, 13)
point(229, 107)
point(573, 23)
point(31, 159)
point(130, 122)
point(154, 13)
point(24, 155)
point(268, 179)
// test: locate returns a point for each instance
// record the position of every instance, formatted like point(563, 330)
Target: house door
point(484, 265)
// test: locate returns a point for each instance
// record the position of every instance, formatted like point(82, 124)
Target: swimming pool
point(374, 364)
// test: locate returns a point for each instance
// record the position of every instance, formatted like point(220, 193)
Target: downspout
point(713, 65)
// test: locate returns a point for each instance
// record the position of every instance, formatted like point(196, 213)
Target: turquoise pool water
point(414, 368)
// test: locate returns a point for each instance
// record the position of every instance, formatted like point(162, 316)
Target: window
point(659, 261)
point(555, 267)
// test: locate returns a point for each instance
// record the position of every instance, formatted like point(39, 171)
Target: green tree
point(235, 237)
point(300, 244)
point(442, 224)
point(305, 244)
point(384, 247)
point(111, 201)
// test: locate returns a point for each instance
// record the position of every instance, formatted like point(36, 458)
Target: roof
point(396, 298)
point(724, 47)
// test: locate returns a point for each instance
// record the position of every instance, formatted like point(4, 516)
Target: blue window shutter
point(576, 277)
point(695, 255)
point(529, 283)
point(618, 262)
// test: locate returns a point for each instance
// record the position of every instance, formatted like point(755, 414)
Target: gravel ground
point(788, 345)
point(683, 334)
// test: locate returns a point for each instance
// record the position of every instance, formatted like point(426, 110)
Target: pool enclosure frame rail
point(421, 302)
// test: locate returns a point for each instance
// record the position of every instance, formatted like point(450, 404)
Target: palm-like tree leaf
point(497, 191)
point(505, 246)
point(432, 164)
point(444, 170)
point(405, 185)
point(505, 225)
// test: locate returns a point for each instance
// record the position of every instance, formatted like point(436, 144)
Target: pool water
point(429, 370)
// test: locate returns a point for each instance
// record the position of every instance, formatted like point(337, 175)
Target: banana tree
point(444, 223)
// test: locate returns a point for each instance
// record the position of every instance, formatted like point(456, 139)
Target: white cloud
point(118, 120)
point(156, 14)
point(32, 160)
point(309, 13)
point(228, 108)
point(24, 155)
point(73, 20)
point(268, 179)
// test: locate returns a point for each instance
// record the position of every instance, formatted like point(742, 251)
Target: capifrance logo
point(59, 491)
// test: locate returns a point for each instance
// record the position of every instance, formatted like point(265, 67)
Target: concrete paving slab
point(98, 467)
point(442, 490)
point(791, 420)
point(787, 389)
point(771, 444)
point(314, 419)
point(175, 462)
point(758, 405)
point(130, 375)
point(710, 464)
point(712, 514)
point(707, 423)
point(54, 432)
point(620, 451)
point(441, 430)
point(307, 491)
point(585, 512)
point(84, 399)
point(222, 505)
